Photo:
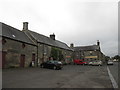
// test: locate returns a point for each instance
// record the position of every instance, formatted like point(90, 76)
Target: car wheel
point(54, 67)
point(42, 66)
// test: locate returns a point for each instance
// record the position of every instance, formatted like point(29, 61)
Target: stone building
point(21, 48)
point(46, 44)
point(17, 49)
point(89, 53)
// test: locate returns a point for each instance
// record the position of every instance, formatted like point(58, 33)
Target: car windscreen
point(57, 62)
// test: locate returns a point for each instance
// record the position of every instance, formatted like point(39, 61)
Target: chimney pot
point(98, 43)
point(52, 36)
point(25, 25)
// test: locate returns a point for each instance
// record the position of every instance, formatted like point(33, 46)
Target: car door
point(45, 64)
point(48, 64)
point(80, 62)
point(51, 64)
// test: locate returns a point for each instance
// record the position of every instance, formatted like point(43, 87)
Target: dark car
point(79, 61)
point(52, 65)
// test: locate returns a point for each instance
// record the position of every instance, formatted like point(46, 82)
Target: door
point(33, 57)
point(2, 59)
point(33, 60)
point(22, 60)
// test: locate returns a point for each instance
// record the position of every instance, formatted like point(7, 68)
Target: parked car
point(79, 62)
point(52, 65)
point(110, 62)
point(90, 63)
point(99, 63)
point(64, 63)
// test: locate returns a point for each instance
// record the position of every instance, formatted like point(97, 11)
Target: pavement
point(71, 76)
point(0, 78)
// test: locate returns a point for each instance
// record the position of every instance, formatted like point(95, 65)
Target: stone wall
point(68, 56)
point(14, 50)
point(89, 55)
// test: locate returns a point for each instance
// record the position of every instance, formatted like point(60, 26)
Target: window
point(91, 53)
point(3, 41)
point(13, 35)
point(23, 45)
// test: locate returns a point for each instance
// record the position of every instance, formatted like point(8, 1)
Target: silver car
point(90, 63)
point(110, 62)
point(99, 63)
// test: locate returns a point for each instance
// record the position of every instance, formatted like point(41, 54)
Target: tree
point(116, 57)
point(107, 58)
point(56, 54)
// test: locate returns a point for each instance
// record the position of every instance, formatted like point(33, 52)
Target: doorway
point(22, 60)
point(2, 59)
point(33, 57)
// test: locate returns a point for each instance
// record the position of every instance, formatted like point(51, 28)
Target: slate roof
point(47, 40)
point(13, 33)
point(87, 48)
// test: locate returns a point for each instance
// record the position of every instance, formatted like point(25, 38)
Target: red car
point(79, 61)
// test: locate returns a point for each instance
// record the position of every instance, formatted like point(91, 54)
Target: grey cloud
point(81, 23)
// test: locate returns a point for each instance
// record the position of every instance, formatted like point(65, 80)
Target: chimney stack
point(98, 43)
point(52, 36)
point(71, 45)
point(25, 25)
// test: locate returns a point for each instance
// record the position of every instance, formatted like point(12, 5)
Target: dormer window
point(13, 35)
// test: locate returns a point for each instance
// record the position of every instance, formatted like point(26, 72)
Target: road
point(71, 76)
point(114, 71)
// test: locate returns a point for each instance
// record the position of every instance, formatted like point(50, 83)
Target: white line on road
point(112, 79)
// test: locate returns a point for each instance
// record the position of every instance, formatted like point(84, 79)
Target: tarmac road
point(114, 71)
point(71, 76)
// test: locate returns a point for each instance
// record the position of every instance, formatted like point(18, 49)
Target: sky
point(81, 22)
